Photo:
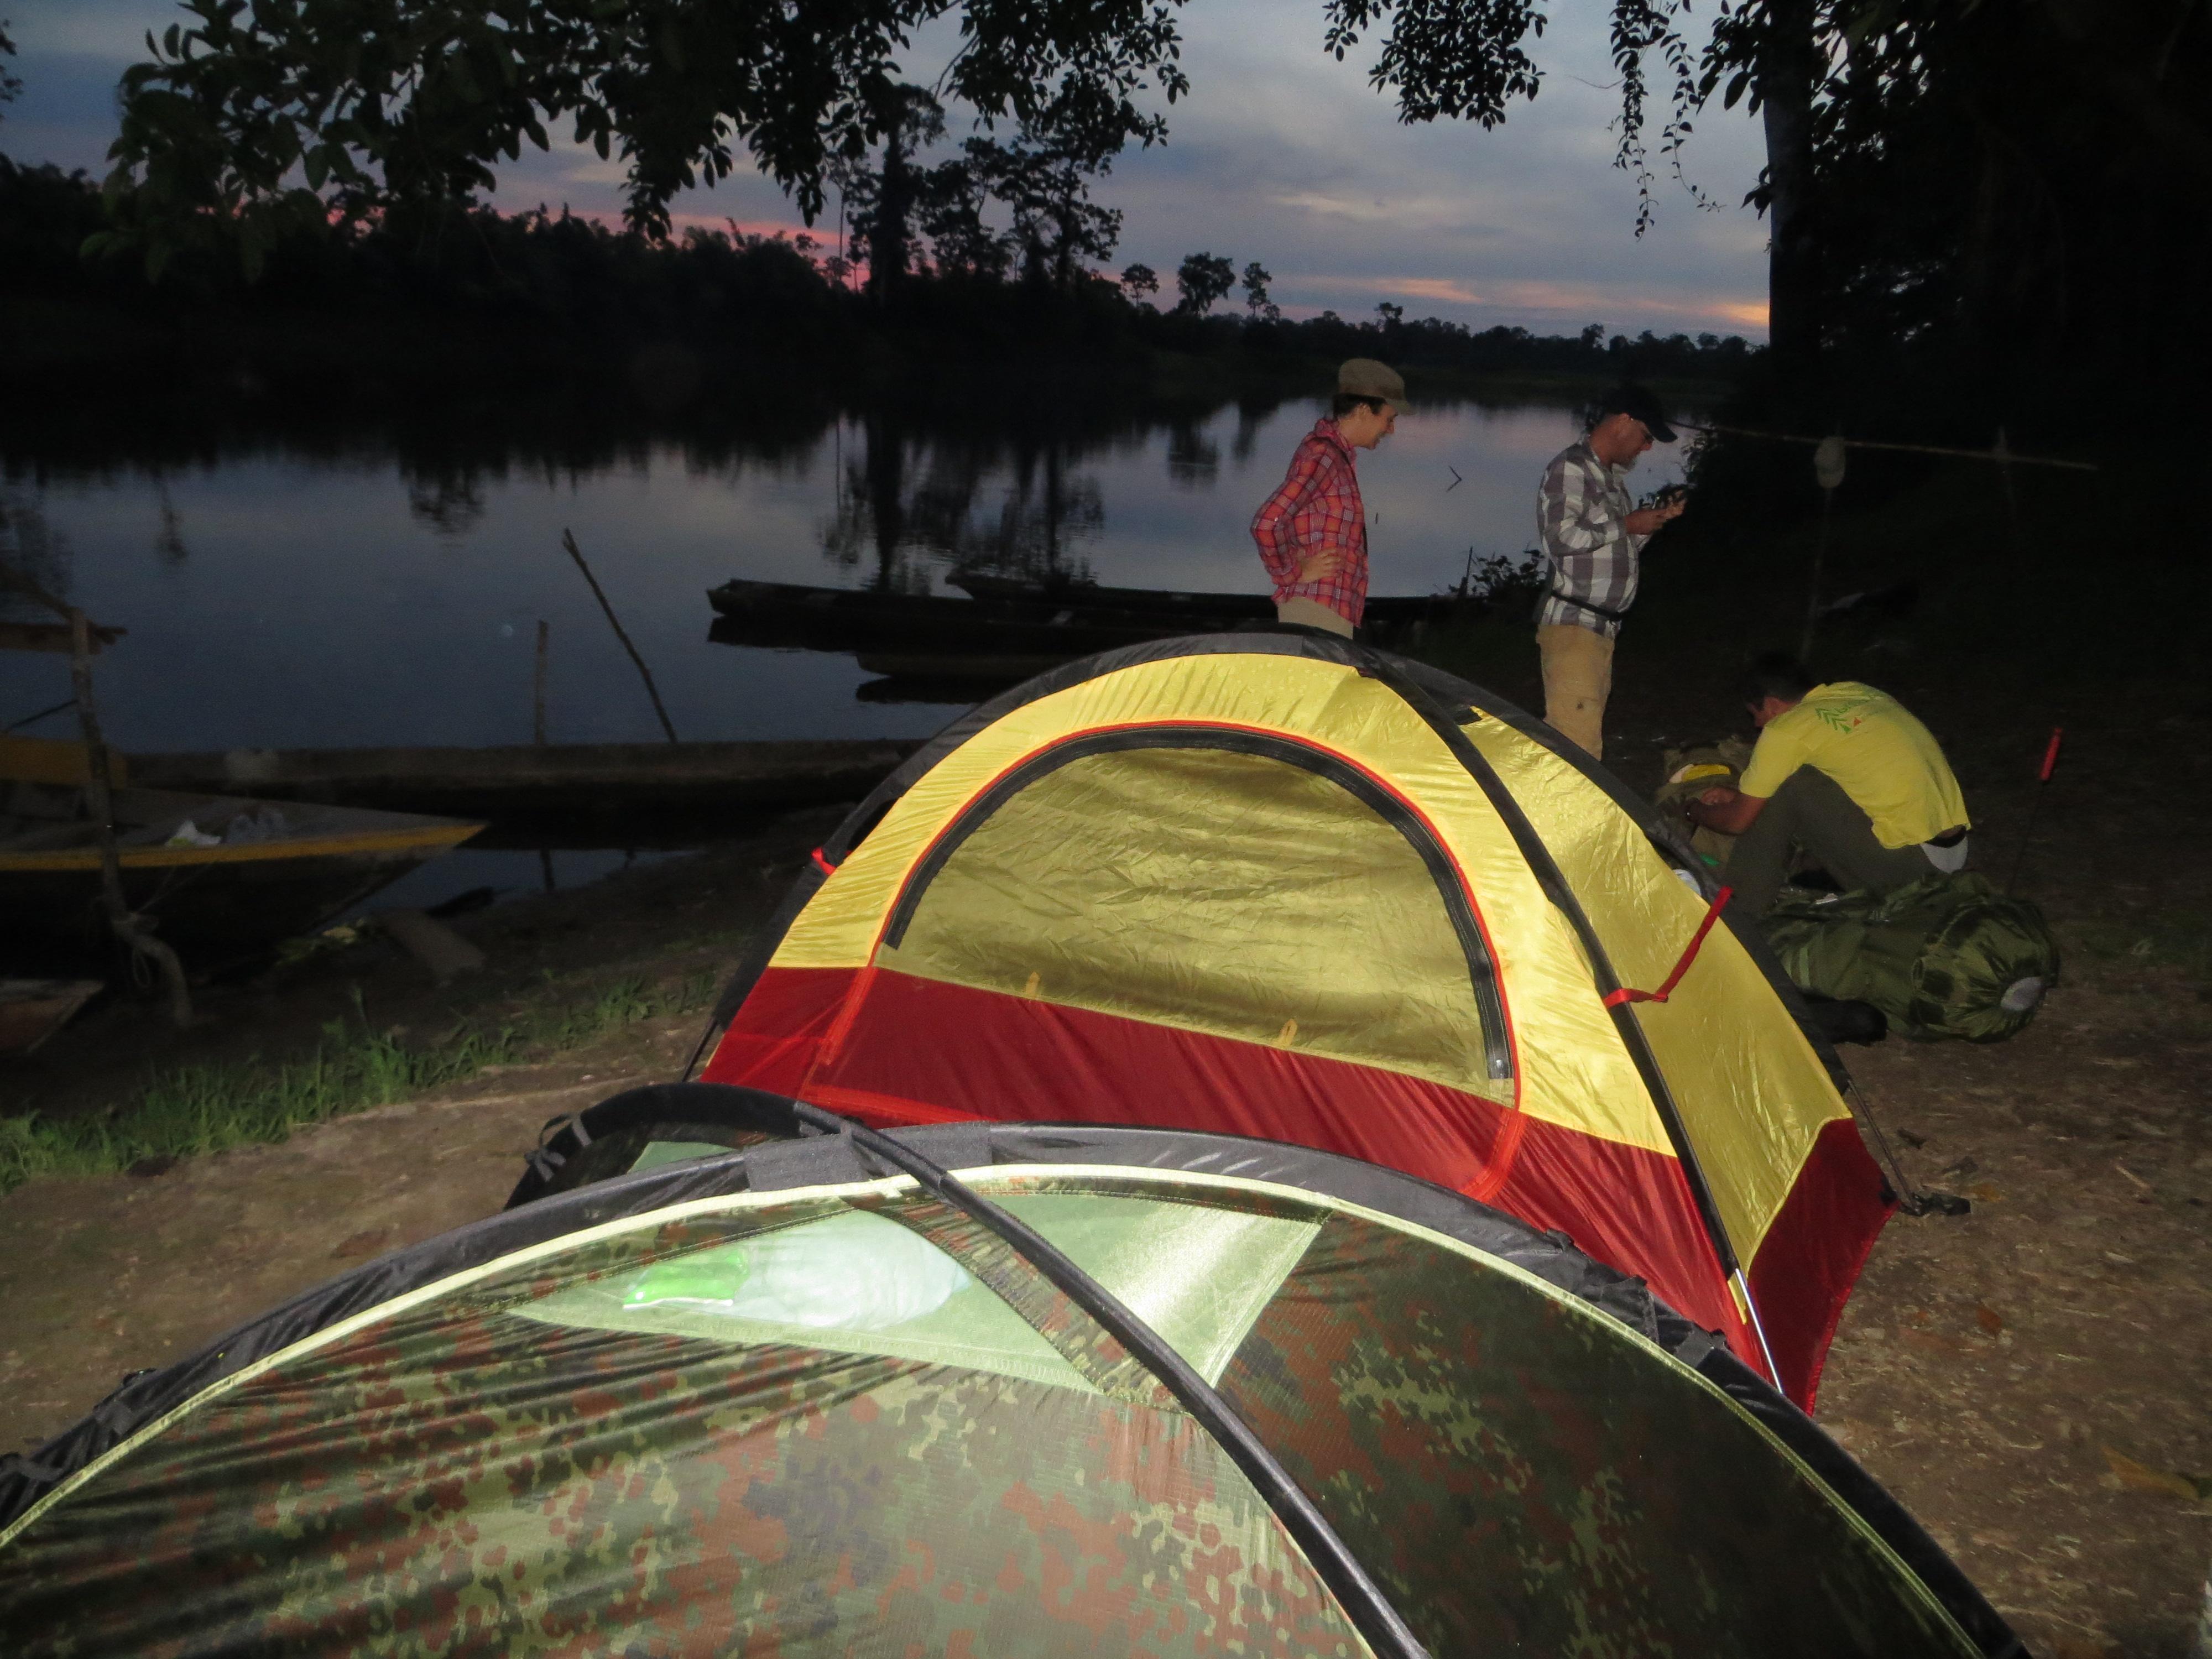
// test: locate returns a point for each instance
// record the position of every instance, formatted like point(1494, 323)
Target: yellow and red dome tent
point(1284, 886)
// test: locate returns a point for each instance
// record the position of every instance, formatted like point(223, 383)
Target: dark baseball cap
point(1638, 404)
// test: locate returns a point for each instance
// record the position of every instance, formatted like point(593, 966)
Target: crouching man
point(1842, 772)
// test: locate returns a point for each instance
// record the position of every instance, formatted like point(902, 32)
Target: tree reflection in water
point(917, 504)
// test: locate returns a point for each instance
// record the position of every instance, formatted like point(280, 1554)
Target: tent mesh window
point(1251, 895)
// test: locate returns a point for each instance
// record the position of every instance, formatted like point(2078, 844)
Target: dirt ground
point(2028, 1379)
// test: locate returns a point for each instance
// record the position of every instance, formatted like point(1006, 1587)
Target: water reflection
point(1193, 459)
point(169, 539)
point(353, 588)
point(449, 500)
point(913, 503)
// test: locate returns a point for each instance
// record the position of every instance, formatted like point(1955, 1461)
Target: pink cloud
point(1621, 308)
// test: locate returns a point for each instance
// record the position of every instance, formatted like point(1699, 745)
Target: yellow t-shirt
point(1876, 751)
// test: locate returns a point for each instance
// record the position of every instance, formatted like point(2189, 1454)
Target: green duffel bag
point(1941, 957)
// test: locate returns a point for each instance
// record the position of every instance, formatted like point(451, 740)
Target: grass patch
point(192, 1110)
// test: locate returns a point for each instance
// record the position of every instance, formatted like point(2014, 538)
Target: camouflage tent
point(792, 1400)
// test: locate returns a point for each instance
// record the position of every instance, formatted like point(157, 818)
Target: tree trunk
point(886, 474)
point(887, 239)
point(1787, 71)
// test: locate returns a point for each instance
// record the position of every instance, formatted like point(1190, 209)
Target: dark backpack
point(1943, 957)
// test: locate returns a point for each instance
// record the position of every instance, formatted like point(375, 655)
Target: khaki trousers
point(1577, 680)
point(1312, 613)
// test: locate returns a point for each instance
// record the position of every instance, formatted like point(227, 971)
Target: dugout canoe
point(33, 1009)
point(222, 878)
point(567, 794)
point(787, 615)
point(1015, 628)
point(1189, 612)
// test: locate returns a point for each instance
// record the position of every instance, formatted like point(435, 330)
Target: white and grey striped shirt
point(1581, 511)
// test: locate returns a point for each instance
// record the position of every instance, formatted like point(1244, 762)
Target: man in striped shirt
point(1312, 532)
point(1592, 534)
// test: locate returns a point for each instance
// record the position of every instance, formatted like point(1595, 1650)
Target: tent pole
point(1757, 1329)
point(1382, 1627)
point(1553, 881)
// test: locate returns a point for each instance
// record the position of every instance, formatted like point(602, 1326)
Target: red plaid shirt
point(1318, 505)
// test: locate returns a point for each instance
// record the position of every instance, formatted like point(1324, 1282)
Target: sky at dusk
point(1280, 153)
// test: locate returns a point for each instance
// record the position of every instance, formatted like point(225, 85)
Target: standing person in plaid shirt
point(1312, 532)
point(1593, 536)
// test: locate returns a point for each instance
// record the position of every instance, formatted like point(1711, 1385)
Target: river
point(363, 592)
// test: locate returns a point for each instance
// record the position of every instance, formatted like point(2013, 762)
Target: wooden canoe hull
point(595, 795)
point(214, 905)
point(33, 1009)
point(1011, 628)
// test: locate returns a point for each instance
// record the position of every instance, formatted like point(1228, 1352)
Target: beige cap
point(1363, 377)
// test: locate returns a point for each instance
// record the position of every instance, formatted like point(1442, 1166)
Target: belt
point(1584, 605)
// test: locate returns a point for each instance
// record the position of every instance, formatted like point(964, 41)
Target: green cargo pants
point(1811, 812)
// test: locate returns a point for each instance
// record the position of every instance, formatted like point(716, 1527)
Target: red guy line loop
point(1689, 955)
point(823, 864)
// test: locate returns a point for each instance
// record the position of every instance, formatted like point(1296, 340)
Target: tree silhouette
point(1203, 279)
point(374, 102)
point(2036, 170)
point(949, 212)
point(1256, 278)
point(1044, 180)
point(884, 201)
point(1140, 282)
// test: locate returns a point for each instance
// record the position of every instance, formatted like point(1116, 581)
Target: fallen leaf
point(1989, 1318)
point(363, 1243)
point(1912, 1140)
point(2141, 1477)
point(1982, 1193)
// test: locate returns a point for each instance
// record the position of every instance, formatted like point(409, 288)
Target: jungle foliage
point(420, 307)
point(2012, 197)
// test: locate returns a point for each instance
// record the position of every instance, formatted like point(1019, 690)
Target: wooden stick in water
point(538, 691)
point(100, 799)
point(545, 637)
point(569, 541)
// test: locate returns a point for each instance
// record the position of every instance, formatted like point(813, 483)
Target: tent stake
point(2035, 800)
point(1911, 1198)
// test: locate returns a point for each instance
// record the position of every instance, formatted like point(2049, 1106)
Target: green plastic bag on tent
point(1941, 957)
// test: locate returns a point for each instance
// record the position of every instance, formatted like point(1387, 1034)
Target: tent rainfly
point(1106, 1390)
point(1283, 886)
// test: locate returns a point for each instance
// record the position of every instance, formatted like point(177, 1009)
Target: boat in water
point(1006, 627)
point(1189, 612)
point(223, 878)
